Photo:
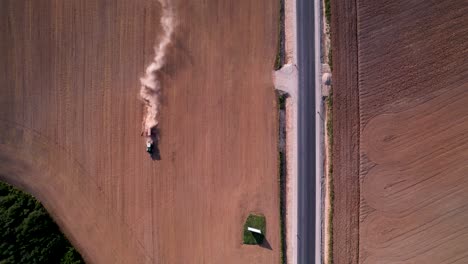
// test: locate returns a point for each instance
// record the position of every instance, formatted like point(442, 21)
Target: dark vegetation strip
point(327, 11)
point(28, 234)
point(279, 62)
point(328, 20)
point(281, 36)
point(331, 188)
point(331, 193)
point(282, 172)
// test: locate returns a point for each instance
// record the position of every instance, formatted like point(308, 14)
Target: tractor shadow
point(155, 137)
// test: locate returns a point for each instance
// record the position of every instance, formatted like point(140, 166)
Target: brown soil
point(70, 124)
point(346, 133)
point(413, 92)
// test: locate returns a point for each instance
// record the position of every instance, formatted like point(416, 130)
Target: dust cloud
point(150, 84)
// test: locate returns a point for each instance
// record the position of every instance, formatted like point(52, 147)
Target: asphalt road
point(308, 232)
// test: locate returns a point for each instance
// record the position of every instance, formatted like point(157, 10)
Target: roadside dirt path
point(345, 133)
point(71, 121)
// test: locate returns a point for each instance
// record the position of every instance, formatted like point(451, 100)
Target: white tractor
point(149, 141)
point(149, 146)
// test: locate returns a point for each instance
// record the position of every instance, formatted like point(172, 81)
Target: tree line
point(28, 234)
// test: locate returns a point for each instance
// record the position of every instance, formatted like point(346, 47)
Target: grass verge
point(279, 61)
point(327, 8)
point(282, 177)
point(258, 222)
point(331, 193)
point(327, 11)
point(282, 186)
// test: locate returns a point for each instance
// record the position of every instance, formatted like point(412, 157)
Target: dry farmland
point(401, 120)
point(70, 123)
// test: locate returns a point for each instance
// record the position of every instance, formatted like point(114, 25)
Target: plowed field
point(412, 84)
point(70, 123)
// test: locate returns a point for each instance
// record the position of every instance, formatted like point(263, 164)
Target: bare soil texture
point(70, 123)
point(413, 93)
point(345, 157)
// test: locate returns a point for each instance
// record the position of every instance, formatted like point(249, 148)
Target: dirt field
point(346, 133)
point(70, 123)
point(413, 120)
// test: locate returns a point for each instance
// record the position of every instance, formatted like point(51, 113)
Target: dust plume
point(150, 84)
